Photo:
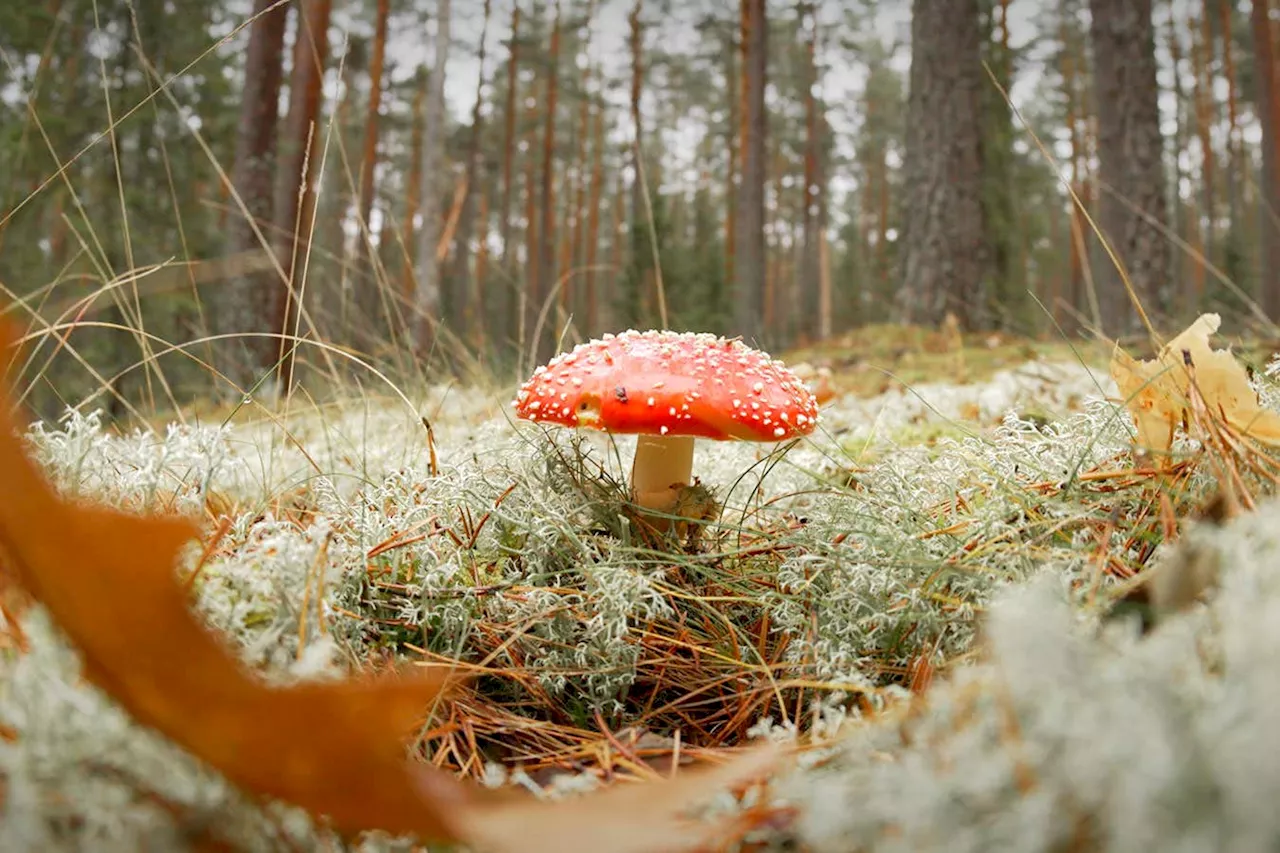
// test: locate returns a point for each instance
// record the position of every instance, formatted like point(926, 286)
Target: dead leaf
point(334, 748)
point(627, 817)
point(108, 579)
point(1156, 392)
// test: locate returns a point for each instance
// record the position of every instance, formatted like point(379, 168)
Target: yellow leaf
point(1156, 392)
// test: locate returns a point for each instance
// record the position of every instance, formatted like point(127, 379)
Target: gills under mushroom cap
point(671, 383)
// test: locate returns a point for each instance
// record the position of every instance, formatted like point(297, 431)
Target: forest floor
point(938, 595)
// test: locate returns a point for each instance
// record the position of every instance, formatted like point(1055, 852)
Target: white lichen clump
point(342, 542)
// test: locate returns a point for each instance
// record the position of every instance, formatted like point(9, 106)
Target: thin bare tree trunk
point(1269, 194)
point(749, 266)
point(812, 191)
point(414, 186)
point(427, 294)
point(580, 176)
point(242, 304)
point(295, 193)
point(1182, 282)
point(591, 322)
point(503, 300)
point(459, 305)
point(546, 275)
point(1202, 75)
point(368, 297)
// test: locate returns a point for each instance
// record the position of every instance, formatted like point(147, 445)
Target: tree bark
point(1131, 160)
point(503, 298)
point(749, 265)
point(462, 299)
point(242, 305)
point(1268, 107)
point(945, 253)
point(812, 192)
point(546, 196)
point(427, 293)
point(368, 298)
point(295, 192)
point(591, 319)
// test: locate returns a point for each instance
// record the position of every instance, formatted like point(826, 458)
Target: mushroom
point(669, 388)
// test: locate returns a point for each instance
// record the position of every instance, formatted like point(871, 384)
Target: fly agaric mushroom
point(669, 388)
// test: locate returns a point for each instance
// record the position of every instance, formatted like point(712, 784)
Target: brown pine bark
point(735, 89)
point(546, 196)
point(369, 153)
point(581, 171)
point(502, 300)
point(435, 173)
point(1131, 159)
point(1188, 231)
point(242, 303)
point(811, 193)
point(1073, 293)
point(1202, 96)
point(529, 295)
point(414, 187)
point(509, 132)
point(1225, 16)
point(591, 318)
point(749, 266)
point(367, 296)
point(636, 43)
point(1268, 106)
point(295, 191)
point(459, 304)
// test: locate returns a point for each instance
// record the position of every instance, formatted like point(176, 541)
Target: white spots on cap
point(690, 383)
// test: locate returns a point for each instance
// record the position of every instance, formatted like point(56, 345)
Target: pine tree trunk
point(546, 196)
point(637, 302)
point(241, 305)
point(1182, 282)
point(368, 299)
point(461, 296)
point(734, 90)
point(295, 192)
point(427, 293)
point(1206, 117)
point(413, 188)
point(1268, 108)
point(502, 302)
point(1234, 182)
point(944, 244)
point(581, 172)
point(812, 191)
point(1131, 158)
point(591, 320)
point(749, 265)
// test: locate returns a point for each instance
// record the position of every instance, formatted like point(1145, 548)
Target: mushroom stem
point(662, 466)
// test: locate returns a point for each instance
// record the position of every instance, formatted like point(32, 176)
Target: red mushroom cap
point(670, 383)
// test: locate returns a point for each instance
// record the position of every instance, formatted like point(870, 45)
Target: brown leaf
point(108, 579)
point(635, 817)
point(1156, 392)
